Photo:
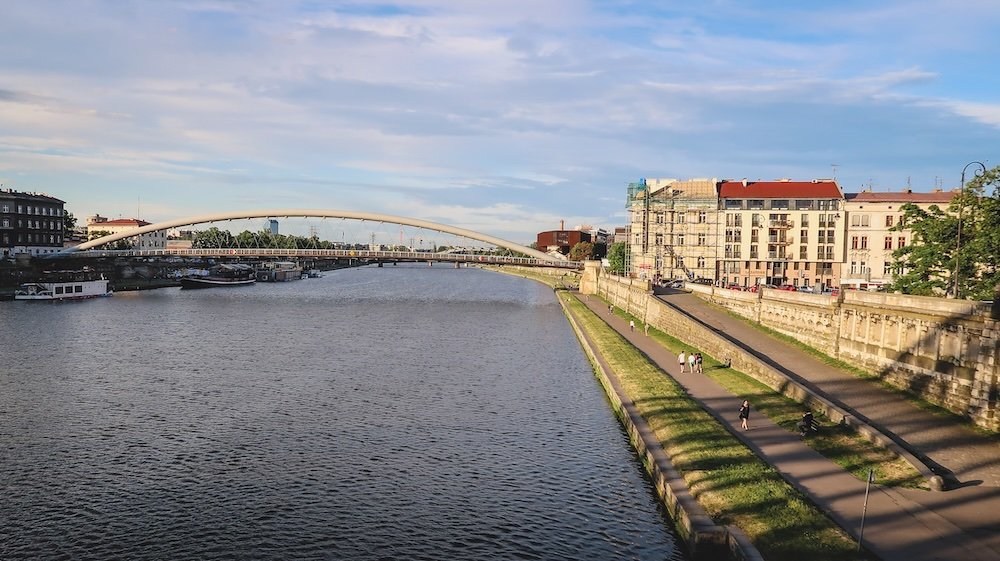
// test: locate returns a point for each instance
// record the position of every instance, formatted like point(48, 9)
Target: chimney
point(744, 182)
point(562, 225)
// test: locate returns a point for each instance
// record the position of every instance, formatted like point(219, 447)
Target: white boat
point(73, 290)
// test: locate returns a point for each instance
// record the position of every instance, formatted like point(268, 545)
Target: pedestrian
point(611, 308)
point(682, 361)
point(631, 325)
point(698, 363)
point(744, 414)
point(647, 329)
point(691, 362)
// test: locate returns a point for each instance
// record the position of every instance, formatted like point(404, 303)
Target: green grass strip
point(728, 480)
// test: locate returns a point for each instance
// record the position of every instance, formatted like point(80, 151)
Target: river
point(406, 412)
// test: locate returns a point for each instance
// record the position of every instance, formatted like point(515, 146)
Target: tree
point(125, 244)
point(924, 266)
point(581, 251)
point(928, 265)
point(212, 238)
point(616, 258)
point(69, 221)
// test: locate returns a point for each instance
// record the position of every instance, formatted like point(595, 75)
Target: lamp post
point(958, 242)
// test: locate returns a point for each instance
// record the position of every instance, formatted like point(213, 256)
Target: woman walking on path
point(698, 363)
point(681, 361)
point(691, 363)
point(744, 414)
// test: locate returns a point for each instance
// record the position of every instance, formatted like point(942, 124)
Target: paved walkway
point(955, 452)
point(897, 526)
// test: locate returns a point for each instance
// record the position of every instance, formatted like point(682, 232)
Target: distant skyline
point(501, 117)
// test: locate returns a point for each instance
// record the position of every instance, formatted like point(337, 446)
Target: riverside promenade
point(899, 525)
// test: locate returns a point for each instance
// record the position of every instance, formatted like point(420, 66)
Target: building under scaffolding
point(674, 229)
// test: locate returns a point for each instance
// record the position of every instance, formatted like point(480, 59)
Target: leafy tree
point(927, 266)
point(581, 251)
point(69, 221)
point(213, 237)
point(616, 258)
point(924, 266)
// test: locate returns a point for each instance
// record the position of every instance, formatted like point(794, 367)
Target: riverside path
point(897, 526)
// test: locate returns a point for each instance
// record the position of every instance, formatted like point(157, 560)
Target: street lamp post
point(958, 242)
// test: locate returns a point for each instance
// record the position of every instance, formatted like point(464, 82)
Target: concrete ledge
point(704, 539)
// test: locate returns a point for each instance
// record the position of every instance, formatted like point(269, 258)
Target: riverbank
point(729, 482)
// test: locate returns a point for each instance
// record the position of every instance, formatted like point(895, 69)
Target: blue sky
point(503, 117)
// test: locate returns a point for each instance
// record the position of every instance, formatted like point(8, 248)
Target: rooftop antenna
point(908, 186)
point(835, 166)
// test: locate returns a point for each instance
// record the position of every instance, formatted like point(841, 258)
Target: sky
point(501, 117)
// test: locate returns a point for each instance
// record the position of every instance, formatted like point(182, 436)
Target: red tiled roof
point(122, 222)
point(902, 197)
point(819, 189)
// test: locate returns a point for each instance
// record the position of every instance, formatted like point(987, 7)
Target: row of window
point(864, 220)
point(780, 220)
point(735, 251)
point(888, 268)
point(36, 224)
point(8, 208)
point(861, 242)
point(51, 239)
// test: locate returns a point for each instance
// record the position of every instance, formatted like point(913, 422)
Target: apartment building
point(869, 237)
point(98, 225)
point(781, 233)
point(674, 228)
point(30, 223)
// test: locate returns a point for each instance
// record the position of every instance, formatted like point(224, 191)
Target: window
point(888, 242)
point(779, 204)
point(854, 267)
point(886, 268)
point(6, 208)
point(701, 262)
point(755, 204)
point(659, 239)
point(860, 220)
point(6, 223)
point(733, 204)
point(803, 236)
point(753, 252)
point(864, 242)
point(679, 263)
point(803, 252)
point(681, 217)
point(901, 242)
point(701, 239)
point(854, 242)
point(822, 236)
point(702, 217)
point(754, 236)
point(803, 204)
point(59, 290)
point(805, 220)
point(680, 239)
point(889, 220)
point(829, 236)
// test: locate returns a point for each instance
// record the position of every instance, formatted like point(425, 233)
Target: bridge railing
point(374, 255)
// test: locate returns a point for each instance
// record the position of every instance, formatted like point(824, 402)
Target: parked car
point(703, 280)
point(788, 287)
point(736, 287)
point(676, 284)
point(806, 288)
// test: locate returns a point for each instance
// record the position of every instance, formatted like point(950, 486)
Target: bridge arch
point(307, 213)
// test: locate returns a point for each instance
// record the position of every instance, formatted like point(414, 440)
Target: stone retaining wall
point(945, 351)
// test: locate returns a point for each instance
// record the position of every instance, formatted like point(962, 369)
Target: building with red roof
point(781, 232)
point(98, 226)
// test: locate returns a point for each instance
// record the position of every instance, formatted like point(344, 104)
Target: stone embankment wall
point(946, 351)
point(704, 540)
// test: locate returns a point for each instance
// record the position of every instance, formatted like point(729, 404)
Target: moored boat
point(71, 290)
point(224, 274)
point(279, 271)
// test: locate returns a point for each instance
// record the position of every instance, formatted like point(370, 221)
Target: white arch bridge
point(534, 257)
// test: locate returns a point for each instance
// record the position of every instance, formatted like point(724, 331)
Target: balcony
point(778, 240)
point(784, 224)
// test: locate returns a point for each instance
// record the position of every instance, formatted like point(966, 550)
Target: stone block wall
point(946, 351)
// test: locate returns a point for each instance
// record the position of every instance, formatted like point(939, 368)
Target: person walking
point(691, 363)
point(647, 329)
point(631, 325)
point(744, 414)
point(698, 363)
point(682, 361)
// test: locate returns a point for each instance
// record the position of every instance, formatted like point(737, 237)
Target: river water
point(407, 412)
